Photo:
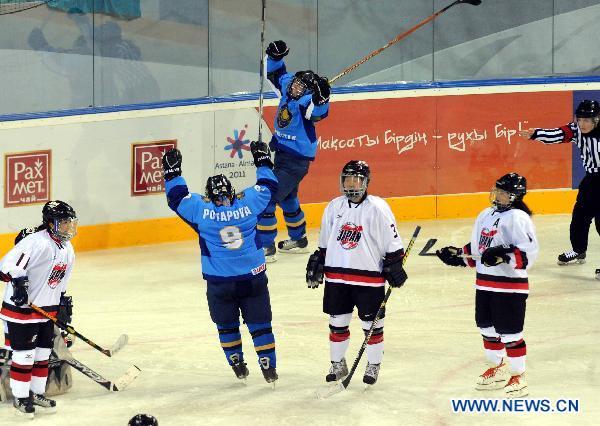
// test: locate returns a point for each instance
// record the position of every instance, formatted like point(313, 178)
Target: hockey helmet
point(60, 219)
point(143, 420)
point(219, 190)
point(355, 189)
point(302, 81)
point(587, 109)
point(514, 187)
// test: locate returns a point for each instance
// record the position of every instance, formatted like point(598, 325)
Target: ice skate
point(270, 254)
point(239, 367)
point(598, 274)
point(516, 387)
point(269, 372)
point(293, 246)
point(571, 258)
point(24, 407)
point(493, 378)
point(44, 405)
point(371, 374)
point(337, 371)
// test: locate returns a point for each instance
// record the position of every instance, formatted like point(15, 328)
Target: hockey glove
point(451, 256)
point(277, 50)
point(24, 233)
point(65, 309)
point(315, 269)
point(20, 287)
point(261, 153)
point(321, 90)
point(393, 272)
point(171, 162)
point(494, 256)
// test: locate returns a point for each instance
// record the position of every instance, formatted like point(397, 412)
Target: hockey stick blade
point(472, 2)
point(119, 344)
point(327, 391)
point(425, 251)
point(126, 379)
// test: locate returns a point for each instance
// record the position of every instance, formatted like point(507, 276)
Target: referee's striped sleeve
point(558, 135)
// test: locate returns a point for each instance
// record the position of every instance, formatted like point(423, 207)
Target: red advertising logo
point(146, 167)
point(27, 178)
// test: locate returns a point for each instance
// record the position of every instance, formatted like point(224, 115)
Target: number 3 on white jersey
point(232, 237)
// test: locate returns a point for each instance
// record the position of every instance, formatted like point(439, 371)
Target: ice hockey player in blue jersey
point(303, 100)
point(233, 262)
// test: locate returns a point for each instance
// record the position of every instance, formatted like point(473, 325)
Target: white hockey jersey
point(48, 264)
point(357, 238)
point(510, 228)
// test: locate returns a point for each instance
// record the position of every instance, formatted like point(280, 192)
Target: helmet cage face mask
point(220, 191)
point(353, 186)
point(297, 88)
point(64, 229)
point(502, 200)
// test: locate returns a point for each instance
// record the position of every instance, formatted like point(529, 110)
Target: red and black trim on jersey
point(5, 277)
point(521, 260)
point(24, 314)
point(351, 276)
point(499, 283)
point(467, 250)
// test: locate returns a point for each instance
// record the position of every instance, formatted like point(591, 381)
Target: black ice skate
point(270, 254)
point(371, 373)
point(269, 372)
point(293, 246)
point(571, 258)
point(337, 371)
point(239, 367)
point(24, 407)
point(45, 405)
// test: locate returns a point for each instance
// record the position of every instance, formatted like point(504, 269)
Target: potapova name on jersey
point(225, 216)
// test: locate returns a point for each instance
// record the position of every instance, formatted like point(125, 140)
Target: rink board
point(434, 151)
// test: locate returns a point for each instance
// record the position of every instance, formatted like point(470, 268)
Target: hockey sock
point(20, 373)
point(267, 226)
point(39, 372)
point(264, 341)
point(294, 218)
point(494, 349)
point(339, 336)
point(231, 340)
point(517, 353)
point(375, 343)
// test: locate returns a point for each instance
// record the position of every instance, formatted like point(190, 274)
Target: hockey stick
point(429, 244)
point(400, 37)
point(340, 386)
point(114, 386)
point(121, 341)
point(262, 71)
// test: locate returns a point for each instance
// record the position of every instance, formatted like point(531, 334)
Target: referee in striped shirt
point(585, 133)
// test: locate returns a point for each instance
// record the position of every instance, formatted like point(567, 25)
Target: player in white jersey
point(504, 238)
point(359, 249)
point(38, 269)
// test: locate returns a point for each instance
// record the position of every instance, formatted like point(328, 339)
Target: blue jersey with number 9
point(229, 246)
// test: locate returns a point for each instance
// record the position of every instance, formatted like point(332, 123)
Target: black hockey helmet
point(513, 184)
point(219, 190)
point(359, 169)
point(60, 219)
point(587, 109)
point(300, 83)
point(143, 420)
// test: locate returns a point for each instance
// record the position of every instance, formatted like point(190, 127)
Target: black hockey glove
point(321, 90)
point(20, 287)
point(393, 272)
point(494, 256)
point(451, 256)
point(315, 269)
point(65, 309)
point(171, 162)
point(277, 50)
point(261, 153)
point(23, 233)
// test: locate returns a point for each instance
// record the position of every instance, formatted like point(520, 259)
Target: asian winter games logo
point(349, 235)
point(237, 144)
point(58, 273)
